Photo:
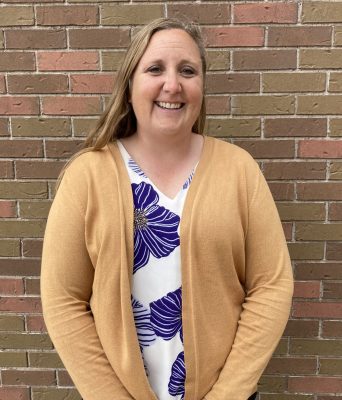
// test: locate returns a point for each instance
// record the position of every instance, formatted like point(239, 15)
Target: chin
point(172, 130)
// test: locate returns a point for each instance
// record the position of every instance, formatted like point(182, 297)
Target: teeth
point(169, 105)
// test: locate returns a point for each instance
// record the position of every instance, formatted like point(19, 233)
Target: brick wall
point(274, 88)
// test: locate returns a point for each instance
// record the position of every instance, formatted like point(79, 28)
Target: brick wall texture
point(274, 87)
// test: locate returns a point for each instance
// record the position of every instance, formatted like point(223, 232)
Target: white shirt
point(156, 291)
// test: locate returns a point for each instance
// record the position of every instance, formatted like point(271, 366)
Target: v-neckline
point(160, 192)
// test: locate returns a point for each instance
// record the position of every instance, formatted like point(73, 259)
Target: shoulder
point(86, 171)
point(85, 162)
point(230, 163)
point(225, 153)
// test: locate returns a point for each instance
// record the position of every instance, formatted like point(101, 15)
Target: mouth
point(169, 106)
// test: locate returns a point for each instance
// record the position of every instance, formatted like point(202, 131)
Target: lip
point(166, 108)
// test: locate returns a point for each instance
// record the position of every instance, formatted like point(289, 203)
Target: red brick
point(263, 104)
point(333, 397)
point(6, 169)
point(305, 251)
point(64, 378)
point(7, 209)
point(335, 171)
point(19, 267)
point(17, 61)
point(4, 126)
point(28, 377)
point(301, 328)
point(35, 323)
point(200, 13)
point(260, 59)
point(36, 39)
point(291, 365)
point(68, 61)
point(112, 59)
point(2, 84)
point(315, 384)
point(17, 105)
point(38, 83)
point(320, 58)
point(334, 251)
point(335, 211)
point(77, 105)
point(319, 104)
point(317, 310)
point(282, 347)
point(332, 290)
point(300, 36)
point(294, 170)
point(16, 16)
point(319, 191)
point(92, 83)
point(67, 15)
point(332, 329)
point(268, 148)
point(10, 393)
point(234, 36)
point(233, 83)
point(282, 190)
point(130, 15)
point(33, 1)
point(316, 347)
point(41, 127)
point(21, 148)
point(38, 169)
point(318, 271)
point(330, 366)
point(275, 127)
point(307, 290)
point(62, 148)
point(321, 11)
point(233, 127)
point(94, 38)
point(320, 149)
point(280, 13)
point(32, 247)
point(12, 286)
point(318, 231)
point(21, 304)
point(32, 286)
point(272, 383)
point(217, 105)
point(287, 227)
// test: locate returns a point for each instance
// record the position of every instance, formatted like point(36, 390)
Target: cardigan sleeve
point(269, 290)
point(66, 287)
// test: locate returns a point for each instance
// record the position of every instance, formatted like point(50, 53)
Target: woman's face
point(167, 85)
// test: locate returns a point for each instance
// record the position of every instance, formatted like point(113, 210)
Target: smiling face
point(167, 85)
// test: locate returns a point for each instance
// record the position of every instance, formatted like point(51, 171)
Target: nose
point(172, 83)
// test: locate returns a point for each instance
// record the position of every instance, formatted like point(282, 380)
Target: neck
point(169, 148)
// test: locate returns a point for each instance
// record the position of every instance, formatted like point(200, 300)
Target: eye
point(187, 71)
point(154, 69)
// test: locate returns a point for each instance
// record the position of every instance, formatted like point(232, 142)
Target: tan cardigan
point(236, 277)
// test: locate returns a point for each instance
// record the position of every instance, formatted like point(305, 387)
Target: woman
point(165, 272)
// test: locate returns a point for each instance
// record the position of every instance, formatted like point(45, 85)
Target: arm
point(265, 311)
point(66, 287)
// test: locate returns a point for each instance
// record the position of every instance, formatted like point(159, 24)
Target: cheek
point(197, 92)
point(198, 97)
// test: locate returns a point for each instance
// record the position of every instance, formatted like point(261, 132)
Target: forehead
point(172, 42)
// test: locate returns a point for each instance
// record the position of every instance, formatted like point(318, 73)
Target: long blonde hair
point(118, 119)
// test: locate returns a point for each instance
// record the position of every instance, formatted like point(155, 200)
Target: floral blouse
point(157, 290)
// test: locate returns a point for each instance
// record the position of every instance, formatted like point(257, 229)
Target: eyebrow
point(182, 61)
